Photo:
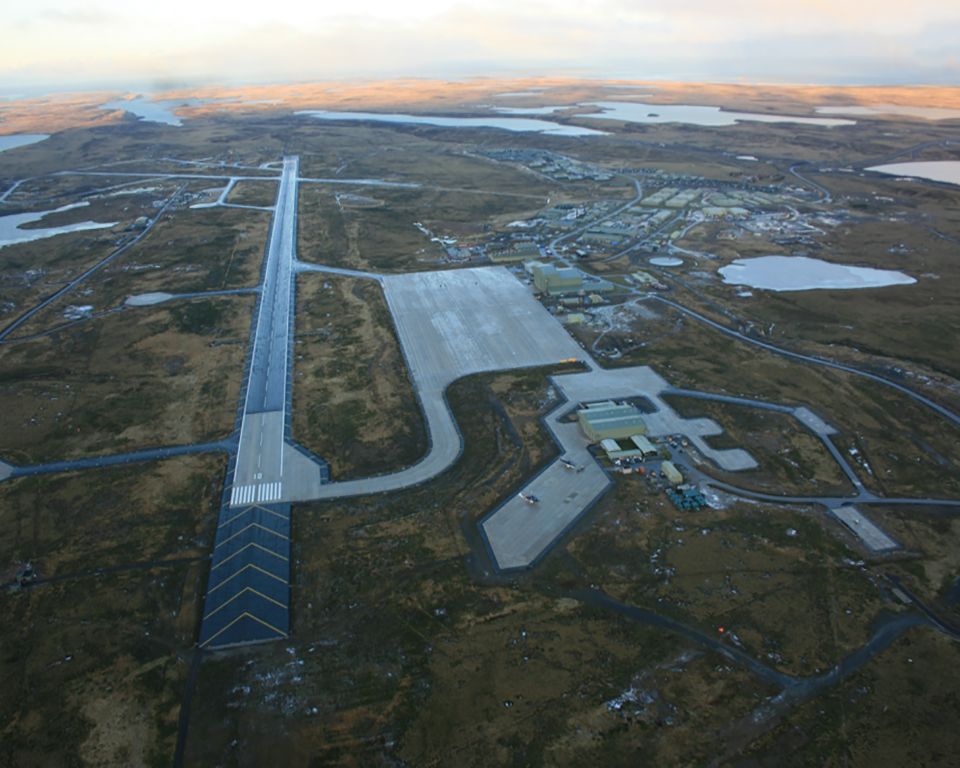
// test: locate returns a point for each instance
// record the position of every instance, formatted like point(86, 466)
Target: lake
point(934, 170)
point(21, 140)
point(151, 111)
point(520, 125)
point(801, 273)
point(927, 113)
point(10, 232)
point(638, 112)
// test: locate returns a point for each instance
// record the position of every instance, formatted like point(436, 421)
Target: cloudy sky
point(51, 43)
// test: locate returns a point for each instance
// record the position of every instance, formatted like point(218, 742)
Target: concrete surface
point(641, 380)
point(452, 324)
point(148, 299)
point(517, 533)
point(864, 529)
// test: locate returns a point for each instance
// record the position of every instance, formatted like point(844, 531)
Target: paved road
point(804, 415)
point(947, 414)
point(306, 266)
point(74, 283)
point(150, 454)
point(595, 222)
point(827, 197)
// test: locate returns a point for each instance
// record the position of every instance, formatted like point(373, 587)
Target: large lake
point(638, 112)
point(151, 111)
point(21, 140)
point(506, 123)
point(10, 232)
point(935, 170)
point(801, 273)
point(927, 113)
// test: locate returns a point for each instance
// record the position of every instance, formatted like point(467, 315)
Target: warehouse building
point(553, 282)
point(514, 254)
point(647, 449)
point(671, 473)
point(600, 421)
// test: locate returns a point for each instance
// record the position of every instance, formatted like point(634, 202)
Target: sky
point(50, 44)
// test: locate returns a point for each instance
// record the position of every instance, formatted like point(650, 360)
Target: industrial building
point(671, 473)
point(514, 254)
point(647, 449)
point(600, 421)
point(554, 282)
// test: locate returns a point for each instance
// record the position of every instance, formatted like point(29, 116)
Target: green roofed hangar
point(551, 280)
point(604, 420)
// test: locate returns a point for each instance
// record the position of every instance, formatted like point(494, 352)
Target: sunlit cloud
point(219, 40)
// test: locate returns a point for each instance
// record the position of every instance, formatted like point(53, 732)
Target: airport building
point(600, 421)
point(554, 282)
point(647, 449)
point(515, 254)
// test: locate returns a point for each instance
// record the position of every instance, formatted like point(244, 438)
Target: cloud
point(808, 39)
point(87, 15)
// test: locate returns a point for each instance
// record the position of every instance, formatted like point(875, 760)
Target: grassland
point(900, 710)
point(406, 646)
point(143, 377)
point(901, 448)
point(353, 401)
point(94, 663)
point(793, 461)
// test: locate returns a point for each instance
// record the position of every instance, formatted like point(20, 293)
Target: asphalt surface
point(267, 469)
point(149, 299)
point(248, 590)
point(864, 529)
point(150, 454)
point(306, 266)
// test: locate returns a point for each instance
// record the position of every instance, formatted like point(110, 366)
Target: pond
point(149, 111)
point(801, 273)
point(934, 170)
point(11, 233)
